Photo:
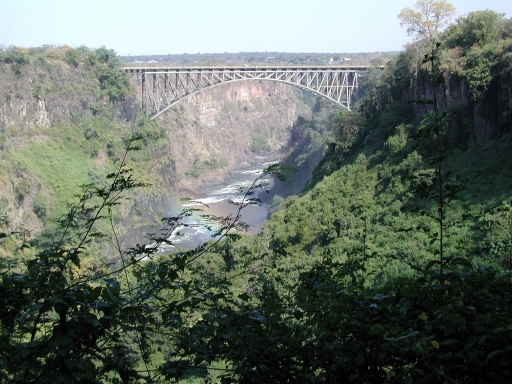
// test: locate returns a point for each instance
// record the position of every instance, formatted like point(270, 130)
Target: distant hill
point(262, 58)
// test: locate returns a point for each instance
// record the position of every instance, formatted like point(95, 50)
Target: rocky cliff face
point(486, 119)
point(49, 96)
point(68, 96)
point(31, 99)
point(223, 122)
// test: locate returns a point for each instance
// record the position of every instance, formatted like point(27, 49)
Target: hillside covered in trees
point(392, 265)
point(260, 58)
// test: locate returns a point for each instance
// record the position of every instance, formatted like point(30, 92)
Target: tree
point(72, 57)
point(17, 58)
point(113, 83)
point(107, 56)
point(347, 129)
point(426, 18)
point(477, 28)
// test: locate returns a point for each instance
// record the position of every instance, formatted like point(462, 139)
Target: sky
point(159, 27)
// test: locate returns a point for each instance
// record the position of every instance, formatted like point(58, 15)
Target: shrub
point(72, 57)
point(259, 143)
point(3, 205)
point(396, 142)
point(40, 206)
point(201, 167)
point(17, 58)
point(21, 190)
point(113, 83)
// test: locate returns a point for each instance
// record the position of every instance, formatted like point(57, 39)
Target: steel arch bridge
point(162, 87)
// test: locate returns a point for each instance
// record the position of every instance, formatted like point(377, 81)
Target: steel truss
point(161, 88)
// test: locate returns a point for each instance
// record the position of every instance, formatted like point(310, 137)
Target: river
point(214, 200)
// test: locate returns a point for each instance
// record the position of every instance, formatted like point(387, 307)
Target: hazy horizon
point(162, 27)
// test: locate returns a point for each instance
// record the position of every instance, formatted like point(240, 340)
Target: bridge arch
point(161, 88)
point(173, 103)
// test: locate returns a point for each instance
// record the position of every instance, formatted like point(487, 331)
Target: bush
point(40, 206)
point(17, 58)
point(72, 57)
point(3, 205)
point(396, 142)
point(21, 190)
point(91, 59)
point(201, 167)
point(259, 143)
point(114, 83)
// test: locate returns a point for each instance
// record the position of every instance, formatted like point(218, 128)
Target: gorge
point(388, 261)
point(202, 139)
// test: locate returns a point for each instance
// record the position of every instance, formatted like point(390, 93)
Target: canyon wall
point(487, 118)
point(223, 123)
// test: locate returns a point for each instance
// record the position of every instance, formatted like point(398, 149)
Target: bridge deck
point(250, 68)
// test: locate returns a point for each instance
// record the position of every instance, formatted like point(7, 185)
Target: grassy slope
point(58, 168)
point(45, 161)
point(374, 186)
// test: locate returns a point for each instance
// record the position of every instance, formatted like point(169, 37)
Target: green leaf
point(258, 317)
point(449, 342)
point(505, 360)
point(244, 296)
point(110, 295)
point(492, 354)
point(470, 342)
point(59, 341)
point(113, 283)
point(462, 261)
point(431, 263)
point(95, 293)
point(445, 355)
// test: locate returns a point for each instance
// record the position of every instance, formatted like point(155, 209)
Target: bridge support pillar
point(144, 95)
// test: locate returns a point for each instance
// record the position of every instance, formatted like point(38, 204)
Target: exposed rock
point(220, 122)
point(487, 118)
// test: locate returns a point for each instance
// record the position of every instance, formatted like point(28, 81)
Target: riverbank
point(194, 187)
point(217, 200)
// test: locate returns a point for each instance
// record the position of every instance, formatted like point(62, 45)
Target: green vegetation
point(427, 18)
point(259, 143)
point(482, 41)
point(16, 57)
point(70, 132)
point(103, 62)
point(309, 138)
point(72, 57)
point(393, 265)
point(201, 167)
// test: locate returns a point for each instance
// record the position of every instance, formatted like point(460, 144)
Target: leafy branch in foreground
point(442, 187)
point(58, 326)
point(53, 324)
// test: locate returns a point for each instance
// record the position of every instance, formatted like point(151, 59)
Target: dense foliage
point(64, 118)
point(393, 265)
